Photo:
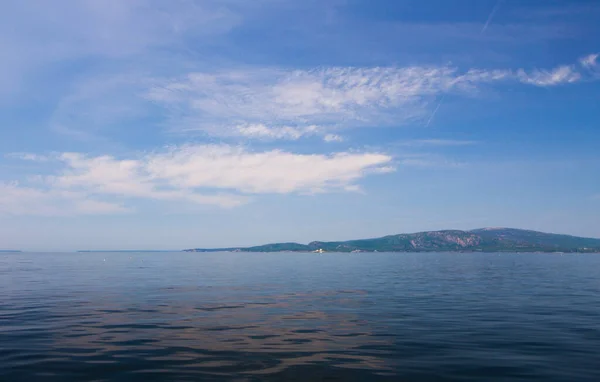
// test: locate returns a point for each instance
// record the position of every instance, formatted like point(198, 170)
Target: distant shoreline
point(484, 240)
point(431, 251)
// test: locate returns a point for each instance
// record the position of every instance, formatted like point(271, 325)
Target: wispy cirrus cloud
point(289, 104)
point(330, 98)
point(16, 199)
point(427, 163)
point(590, 61)
point(296, 101)
point(38, 36)
point(261, 131)
point(562, 75)
point(333, 138)
point(100, 103)
point(27, 157)
point(221, 175)
point(285, 102)
point(425, 160)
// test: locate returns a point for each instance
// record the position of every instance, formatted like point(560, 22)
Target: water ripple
point(421, 317)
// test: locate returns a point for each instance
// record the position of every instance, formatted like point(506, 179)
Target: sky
point(148, 124)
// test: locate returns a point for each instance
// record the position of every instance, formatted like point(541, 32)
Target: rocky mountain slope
point(481, 240)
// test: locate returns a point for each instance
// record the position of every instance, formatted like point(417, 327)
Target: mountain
point(480, 240)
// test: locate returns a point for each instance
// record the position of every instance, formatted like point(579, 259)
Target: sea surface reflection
point(251, 317)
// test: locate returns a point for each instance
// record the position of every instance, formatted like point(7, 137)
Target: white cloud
point(591, 64)
point(106, 175)
point(590, 61)
point(276, 171)
point(261, 131)
point(293, 133)
point(561, 75)
point(221, 175)
point(333, 138)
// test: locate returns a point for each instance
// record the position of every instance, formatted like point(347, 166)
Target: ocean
point(299, 317)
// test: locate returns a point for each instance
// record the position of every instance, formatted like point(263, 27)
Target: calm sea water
point(299, 317)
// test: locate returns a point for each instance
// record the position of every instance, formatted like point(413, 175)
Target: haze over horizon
point(185, 124)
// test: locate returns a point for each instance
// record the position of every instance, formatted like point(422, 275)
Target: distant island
point(9, 251)
point(478, 240)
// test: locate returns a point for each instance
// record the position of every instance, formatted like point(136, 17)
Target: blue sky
point(167, 125)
